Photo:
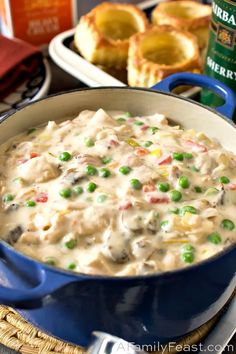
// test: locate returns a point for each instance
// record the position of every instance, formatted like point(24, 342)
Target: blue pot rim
point(11, 112)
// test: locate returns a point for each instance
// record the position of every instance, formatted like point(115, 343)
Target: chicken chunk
point(37, 170)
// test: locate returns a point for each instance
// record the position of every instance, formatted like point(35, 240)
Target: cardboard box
point(37, 21)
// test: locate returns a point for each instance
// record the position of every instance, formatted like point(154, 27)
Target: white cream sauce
point(129, 224)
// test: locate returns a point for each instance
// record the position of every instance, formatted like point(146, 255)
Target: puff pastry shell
point(102, 36)
point(159, 52)
point(185, 15)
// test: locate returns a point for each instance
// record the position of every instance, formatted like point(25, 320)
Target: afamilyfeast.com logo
point(132, 348)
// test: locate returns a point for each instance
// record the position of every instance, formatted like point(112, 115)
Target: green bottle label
point(221, 55)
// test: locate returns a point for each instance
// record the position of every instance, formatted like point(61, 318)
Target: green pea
point(135, 184)
point(184, 182)
point(104, 172)
point(227, 224)
point(188, 253)
point(106, 160)
point(71, 266)
point(188, 209)
point(138, 122)
point(147, 143)
point(126, 115)
point(7, 198)
point(188, 257)
point(65, 193)
point(175, 195)
point(173, 210)
point(70, 244)
point(125, 170)
point(194, 169)
point(30, 203)
point(89, 142)
point(164, 225)
point(153, 130)
point(65, 156)
point(178, 156)
point(198, 189)
point(50, 261)
point(215, 238)
point(101, 198)
point(91, 187)
point(91, 170)
point(224, 180)
point(163, 187)
point(121, 120)
point(188, 155)
point(78, 190)
point(188, 248)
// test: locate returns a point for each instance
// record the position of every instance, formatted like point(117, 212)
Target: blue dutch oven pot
point(141, 309)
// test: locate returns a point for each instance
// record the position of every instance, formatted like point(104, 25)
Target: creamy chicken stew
point(109, 193)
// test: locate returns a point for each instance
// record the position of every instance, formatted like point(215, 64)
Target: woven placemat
point(23, 337)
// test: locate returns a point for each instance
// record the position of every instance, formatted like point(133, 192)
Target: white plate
point(73, 63)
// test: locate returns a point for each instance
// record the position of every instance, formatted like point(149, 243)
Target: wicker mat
point(21, 336)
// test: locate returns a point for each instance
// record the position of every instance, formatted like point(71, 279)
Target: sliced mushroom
point(209, 213)
point(115, 246)
point(88, 159)
point(215, 197)
point(174, 172)
point(229, 197)
point(148, 266)
point(73, 176)
point(151, 222)
point(132, 220)
point(11, 207)
point(142, 248)
point(220, 198)
point(13, 235)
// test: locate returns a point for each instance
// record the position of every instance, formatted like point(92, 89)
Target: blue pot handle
point(30, 298)
point(172, 81)
point(16, 270)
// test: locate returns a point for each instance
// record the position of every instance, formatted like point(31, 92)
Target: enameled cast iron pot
point(140, 309)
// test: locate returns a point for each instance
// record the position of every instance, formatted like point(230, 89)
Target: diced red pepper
point(113, 142)
point(152, 199)
point(33, 155)
point(144, 127)
point(125, 205)
point(165, 161)
point(148, 188)
point(232, 186)
point(199, 147)
point(140, 151)
point(41, 198)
